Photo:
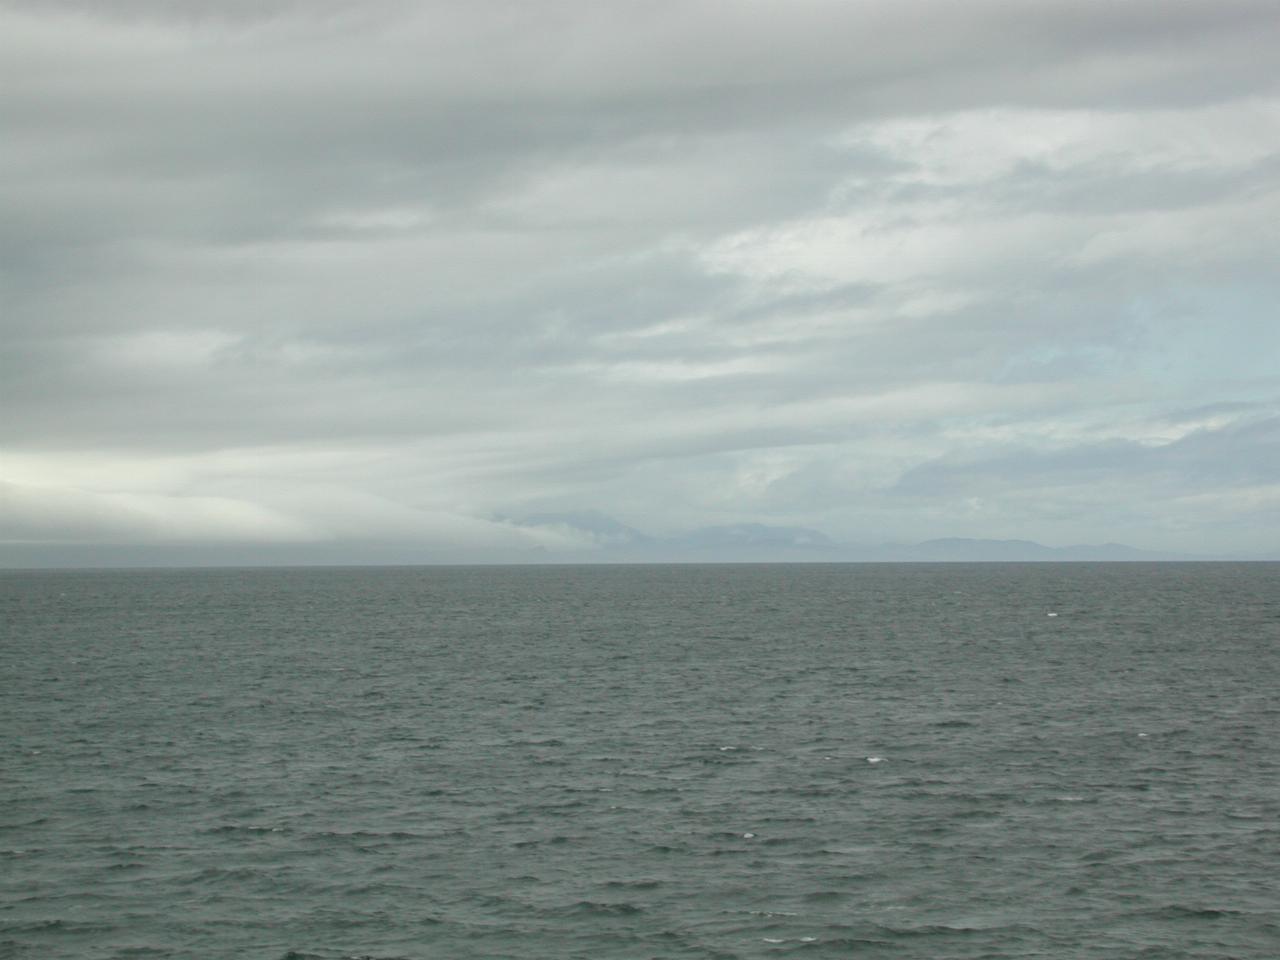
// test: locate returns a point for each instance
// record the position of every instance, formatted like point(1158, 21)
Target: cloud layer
point(394, 272)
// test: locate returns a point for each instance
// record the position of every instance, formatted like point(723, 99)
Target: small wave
point(222, 875)
point(824, 896)
point(838, 946)
point(645, 884)
point(952, 930)
point(22, 826)
point(931, 930)
point(597, 909)
point(1178, 911)
point(358, 835)
point(61, 926)
point(555, 840)
point(230, 828)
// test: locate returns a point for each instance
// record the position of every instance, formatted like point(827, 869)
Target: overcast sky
point(411, 273)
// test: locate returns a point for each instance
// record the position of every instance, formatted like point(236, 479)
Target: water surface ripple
point(906, 761)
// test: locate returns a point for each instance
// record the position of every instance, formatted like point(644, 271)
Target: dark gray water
point(632, 762)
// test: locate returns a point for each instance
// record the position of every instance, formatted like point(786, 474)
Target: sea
point(1008, 760)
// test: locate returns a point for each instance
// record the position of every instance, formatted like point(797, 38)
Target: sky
point(374, 280)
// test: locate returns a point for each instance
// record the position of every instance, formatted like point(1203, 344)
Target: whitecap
point(875, 759)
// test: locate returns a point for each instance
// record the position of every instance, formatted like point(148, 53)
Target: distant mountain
point(967, 549)
point(599, 527)
point(615, 541)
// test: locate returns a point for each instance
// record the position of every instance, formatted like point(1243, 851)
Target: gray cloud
point(347, 273)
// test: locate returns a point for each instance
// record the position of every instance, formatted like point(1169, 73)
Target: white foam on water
point(875, 759)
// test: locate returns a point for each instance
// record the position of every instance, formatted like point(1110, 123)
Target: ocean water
point(899, 761)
